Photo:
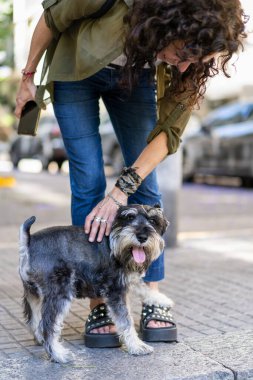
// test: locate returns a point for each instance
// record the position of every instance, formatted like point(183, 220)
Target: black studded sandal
point(160, 334)
point(99, 317)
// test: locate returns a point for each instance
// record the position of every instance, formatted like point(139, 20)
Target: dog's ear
point(165, 222)
point(165, 225)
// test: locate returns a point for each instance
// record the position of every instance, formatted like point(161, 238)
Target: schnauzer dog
point(59, 263)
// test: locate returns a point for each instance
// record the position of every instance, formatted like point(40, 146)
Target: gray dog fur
point(59, 263)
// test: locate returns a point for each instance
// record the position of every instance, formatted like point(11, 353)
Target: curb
point(221, 357)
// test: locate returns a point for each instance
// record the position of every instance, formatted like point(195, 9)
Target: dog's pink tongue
point(138, 255)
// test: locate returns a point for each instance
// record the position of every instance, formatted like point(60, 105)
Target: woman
point(115, 58)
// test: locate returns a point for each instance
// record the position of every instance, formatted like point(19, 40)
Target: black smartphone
point(29, 120)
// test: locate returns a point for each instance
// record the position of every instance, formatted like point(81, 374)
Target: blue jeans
point(133, 116)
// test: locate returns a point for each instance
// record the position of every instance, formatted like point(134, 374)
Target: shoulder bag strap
point(103, 10)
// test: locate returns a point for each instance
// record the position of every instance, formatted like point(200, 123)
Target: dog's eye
point(130, 217)
point(153, 221)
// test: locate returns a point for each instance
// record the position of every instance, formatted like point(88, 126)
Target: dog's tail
point(24, 232)
point(24, 242)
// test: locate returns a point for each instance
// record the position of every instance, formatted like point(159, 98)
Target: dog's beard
point(133, 255)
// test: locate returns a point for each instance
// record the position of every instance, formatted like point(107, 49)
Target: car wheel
point(15, 158)
point(188, 175)
point(188, 178)
point(247, 182)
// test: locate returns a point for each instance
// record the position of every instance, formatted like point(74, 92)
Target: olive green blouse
point(87, 45)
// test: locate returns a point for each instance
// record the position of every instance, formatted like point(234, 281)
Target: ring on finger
point(103, 220)
point(97, 219)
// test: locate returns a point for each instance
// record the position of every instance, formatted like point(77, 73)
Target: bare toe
point(94, 331)
point(158, 324)
point(112, 329)
point(108, 329)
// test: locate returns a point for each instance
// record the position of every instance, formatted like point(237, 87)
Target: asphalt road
point(202, 209)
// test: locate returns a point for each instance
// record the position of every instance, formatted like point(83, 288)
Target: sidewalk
point(211, 282)
point(214, 310)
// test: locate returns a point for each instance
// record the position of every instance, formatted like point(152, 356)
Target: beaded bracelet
point(27, 74)
point(129, 181)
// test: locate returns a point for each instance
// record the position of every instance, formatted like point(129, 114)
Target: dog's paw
point(140, 349)
point(39, 341)
point(38, 338)
point(63, 356)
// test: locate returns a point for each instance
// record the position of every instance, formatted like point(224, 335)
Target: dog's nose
point(142, 237)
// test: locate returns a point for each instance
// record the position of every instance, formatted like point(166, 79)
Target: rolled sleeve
point(173, 119)
point(60, 14)
point(48, 18)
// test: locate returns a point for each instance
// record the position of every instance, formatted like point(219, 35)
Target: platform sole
point(101, 340)
point(159, 334)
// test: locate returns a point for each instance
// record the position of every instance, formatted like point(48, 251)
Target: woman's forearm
point(41, 38)
point(152, 155)
point(148, 160)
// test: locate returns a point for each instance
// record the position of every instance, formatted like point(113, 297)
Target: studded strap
point(157, 313)
point(98, 317)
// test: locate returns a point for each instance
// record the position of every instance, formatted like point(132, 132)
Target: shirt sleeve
point(60, 14)
point(173, 114)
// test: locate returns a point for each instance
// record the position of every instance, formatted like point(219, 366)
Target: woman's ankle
point(95, 302)
point(153, 285)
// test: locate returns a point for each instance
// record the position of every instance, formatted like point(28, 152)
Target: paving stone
point(71, 337)
point(6, 340)
point(20, 332)
point(4, 346)
point(28, 343)
point(35, 348)
point(3, 334)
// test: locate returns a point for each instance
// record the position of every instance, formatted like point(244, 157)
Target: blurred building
point(25, 16)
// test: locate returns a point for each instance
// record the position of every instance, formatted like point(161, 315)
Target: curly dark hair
point(206, 27)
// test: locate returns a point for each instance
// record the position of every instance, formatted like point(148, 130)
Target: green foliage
point(8, 91)
point(6, 28)
point(6, 16)
point(8, 86)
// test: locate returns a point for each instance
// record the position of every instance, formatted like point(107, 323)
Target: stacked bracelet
point(129, 181)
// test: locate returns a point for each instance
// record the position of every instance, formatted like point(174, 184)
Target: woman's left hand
point(99, 221)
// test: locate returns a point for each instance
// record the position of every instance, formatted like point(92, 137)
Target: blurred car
point(222, 145)
point(47, 146)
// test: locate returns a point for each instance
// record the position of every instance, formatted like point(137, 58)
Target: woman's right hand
point(26, 92)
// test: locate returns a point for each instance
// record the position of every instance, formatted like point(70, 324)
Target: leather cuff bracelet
point(129, 181)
